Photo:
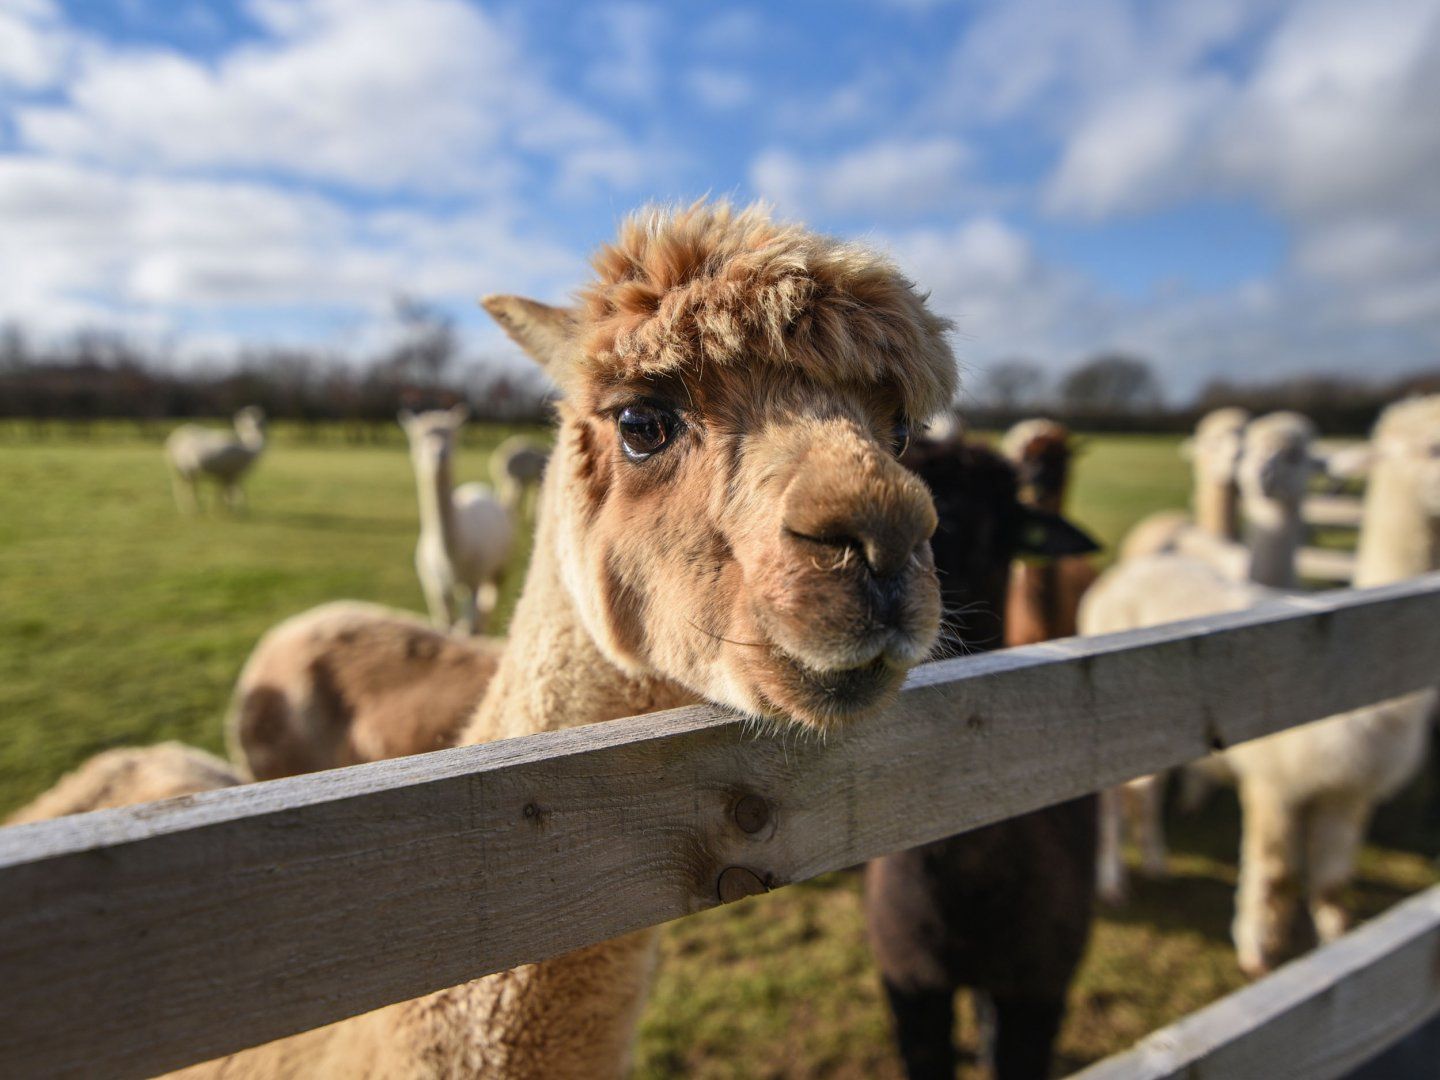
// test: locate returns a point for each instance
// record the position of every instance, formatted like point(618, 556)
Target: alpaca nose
point(879, 511)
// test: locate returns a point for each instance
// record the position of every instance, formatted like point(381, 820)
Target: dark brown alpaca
point(1004, 910)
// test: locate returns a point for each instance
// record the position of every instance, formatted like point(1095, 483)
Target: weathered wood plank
point(1333, 511)
point(1312, 1020)
point(140, 939)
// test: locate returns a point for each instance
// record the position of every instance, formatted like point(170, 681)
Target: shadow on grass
point(1184, 902)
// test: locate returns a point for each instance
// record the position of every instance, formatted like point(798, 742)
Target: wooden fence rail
point(1315, 1019)
point(156, 936)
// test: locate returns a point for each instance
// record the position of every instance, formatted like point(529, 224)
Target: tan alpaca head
point(724, 500)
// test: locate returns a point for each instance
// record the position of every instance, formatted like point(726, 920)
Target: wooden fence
point(138, 940)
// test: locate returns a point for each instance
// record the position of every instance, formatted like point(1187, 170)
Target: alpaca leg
point(924, 1025)
point(183, 488)
point(1196, 786)
point(1148, 810)
point(1020, 1034)
point(1336, 831)
point(438, 598)
point(1110, 876)
point(1269, 864)
point(471, 621)
point(486, 597)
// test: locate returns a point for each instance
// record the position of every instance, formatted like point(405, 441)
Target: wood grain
point(137, 940)
point(1314, 1019)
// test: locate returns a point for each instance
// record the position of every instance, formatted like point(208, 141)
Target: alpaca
point(347, 682)
point(465, 534)
point(1306, 793)
point(1271, 478)
point(1214, 453)
point(734, 531)
point(516, 467)
point(1044, 596)
point(1005, 909)
point(122, 777)
point(195, 453)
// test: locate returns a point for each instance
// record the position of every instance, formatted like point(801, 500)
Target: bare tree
point(1011, 384)
point(1110, 383)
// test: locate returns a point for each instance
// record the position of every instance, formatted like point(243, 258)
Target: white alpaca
point(516, 468)
point(1214, 453)
point(1271, 476)
point(1307, 793)
point(196, 453)
point(465, 534)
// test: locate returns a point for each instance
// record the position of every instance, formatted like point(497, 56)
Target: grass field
point(123, 623)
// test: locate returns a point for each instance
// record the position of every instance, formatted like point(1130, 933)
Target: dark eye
point(645, 430)
point(900, 438)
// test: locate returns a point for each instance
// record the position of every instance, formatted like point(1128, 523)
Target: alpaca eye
point(645, 430)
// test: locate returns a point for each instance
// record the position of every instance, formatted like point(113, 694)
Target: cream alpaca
point(1271, 476)
point(465, 534)
point(197, 453)
point(1307, 793)
point(348, 682)
point(516, 467)
point(735, 531)
point(125, 776)
point(1214, 453)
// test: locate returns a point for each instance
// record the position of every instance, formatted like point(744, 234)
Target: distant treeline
point(98, 376)
point(1121, 393)
point(101, 376)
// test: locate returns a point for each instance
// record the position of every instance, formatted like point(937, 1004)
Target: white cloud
point(34, 48)
point(894, 178)
point(719, 89)
point(430, 95)
point(104, 248)
point(1133, 152)
point(627, 39)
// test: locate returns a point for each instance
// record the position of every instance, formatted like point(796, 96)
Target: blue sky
point(1238, 189)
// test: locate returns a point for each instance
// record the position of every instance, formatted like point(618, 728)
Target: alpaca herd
point(742, 507)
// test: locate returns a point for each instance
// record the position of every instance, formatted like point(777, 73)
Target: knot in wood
point(751, 813)
point(736, 883)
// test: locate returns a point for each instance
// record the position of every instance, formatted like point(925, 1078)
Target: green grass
point(122, 622)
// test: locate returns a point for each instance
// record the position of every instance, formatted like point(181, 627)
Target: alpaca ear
point(543, 331)
point(459, 413)
point(1049, 536)
point(406, 418)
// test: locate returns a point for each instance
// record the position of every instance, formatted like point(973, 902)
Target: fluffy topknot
point(1023, 436)
point(1278, 428)
point(1230, 418)
point(709, 284)
point(1413, 421)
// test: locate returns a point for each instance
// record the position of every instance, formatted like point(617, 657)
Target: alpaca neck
point(1216, 508)
point(1397, 539)
point(437, 504)
point(251, 437)
point(1273, 533)
point(553, 674)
